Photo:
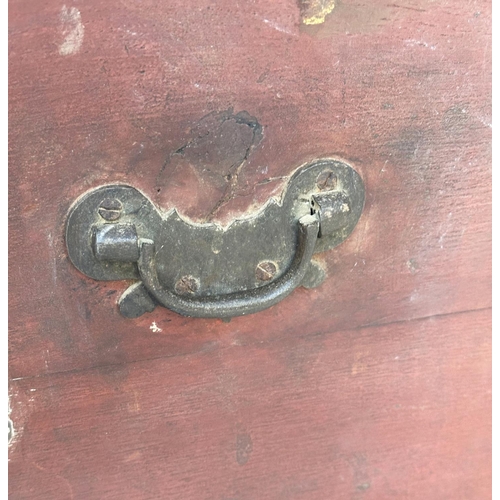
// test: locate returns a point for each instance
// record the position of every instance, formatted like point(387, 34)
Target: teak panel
point(397, 411)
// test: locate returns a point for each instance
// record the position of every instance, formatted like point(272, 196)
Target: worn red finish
point(395, 411)
point(209, 106)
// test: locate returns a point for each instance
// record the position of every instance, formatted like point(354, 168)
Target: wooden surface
point(374, 385)
point(397, 411)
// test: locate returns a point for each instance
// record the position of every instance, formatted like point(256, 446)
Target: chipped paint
point(315, 11)
point(11, 430)
point(155, 328)
point(72, 29)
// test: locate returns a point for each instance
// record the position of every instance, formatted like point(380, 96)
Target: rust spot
point(187, 285)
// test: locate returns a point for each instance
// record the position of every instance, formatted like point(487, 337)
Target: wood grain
point(344, 391)
point(401, 91)
point(400, 411)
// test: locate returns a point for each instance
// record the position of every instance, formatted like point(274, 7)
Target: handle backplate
point(115, 232)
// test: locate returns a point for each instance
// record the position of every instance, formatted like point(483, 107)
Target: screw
point(265, 271)
point(187, 285)
point(326, 180)
point(110, 209)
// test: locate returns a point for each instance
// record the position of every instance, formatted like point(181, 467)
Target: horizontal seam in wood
point(266, 342)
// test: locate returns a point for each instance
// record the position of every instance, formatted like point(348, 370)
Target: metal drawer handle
point(115, 232)
point(236, 303)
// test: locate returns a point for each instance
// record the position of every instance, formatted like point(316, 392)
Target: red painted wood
point(404, 94)
point(306, 399)
point(397, 411)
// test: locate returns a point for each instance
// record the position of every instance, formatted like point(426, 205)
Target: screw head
point(187, 285)
point(110, 209)
point(265, 271)
point(326, 180)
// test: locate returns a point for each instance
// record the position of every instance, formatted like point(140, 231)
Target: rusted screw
point(110, 209)
point(265, 271)
point(187, 285)
point(326, 180)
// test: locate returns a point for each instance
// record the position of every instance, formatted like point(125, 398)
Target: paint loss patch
point(206, 172)
point(72, 30)
point(315, 11)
